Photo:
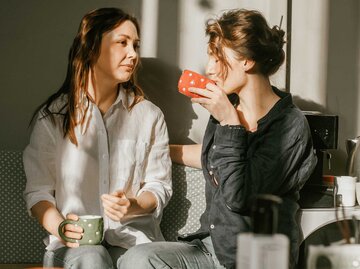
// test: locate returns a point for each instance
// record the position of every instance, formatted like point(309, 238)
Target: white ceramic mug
point(346, 190)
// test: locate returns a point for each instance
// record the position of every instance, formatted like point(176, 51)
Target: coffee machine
point(317, 193)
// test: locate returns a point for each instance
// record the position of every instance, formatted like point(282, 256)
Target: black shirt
point(276, 159)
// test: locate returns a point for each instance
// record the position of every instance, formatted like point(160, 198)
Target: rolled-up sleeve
point(39, 164)
point(157, 176)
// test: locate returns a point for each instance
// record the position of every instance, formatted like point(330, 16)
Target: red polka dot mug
point(191, 79)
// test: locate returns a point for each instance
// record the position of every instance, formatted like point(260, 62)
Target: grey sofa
point(21, 236)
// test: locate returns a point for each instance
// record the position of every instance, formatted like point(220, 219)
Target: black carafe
point(263, 248)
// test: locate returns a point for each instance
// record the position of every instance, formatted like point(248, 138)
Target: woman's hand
point(72, 231)
point(50, 218)
point(217, 103)
point(116, 205)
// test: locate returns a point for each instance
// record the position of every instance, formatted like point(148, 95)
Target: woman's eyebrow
point(128, 37)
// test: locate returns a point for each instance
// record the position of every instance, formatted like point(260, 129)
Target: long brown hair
point(247, 33)
point(83, 54)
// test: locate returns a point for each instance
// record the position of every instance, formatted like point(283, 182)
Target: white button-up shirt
point(122, 150)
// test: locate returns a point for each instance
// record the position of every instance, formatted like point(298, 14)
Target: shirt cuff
point(158, 210)
point(32, 200)
point(230, 135)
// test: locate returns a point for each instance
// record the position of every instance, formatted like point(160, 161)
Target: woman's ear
point(248, 65)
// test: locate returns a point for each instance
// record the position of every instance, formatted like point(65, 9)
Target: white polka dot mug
point(93, 230)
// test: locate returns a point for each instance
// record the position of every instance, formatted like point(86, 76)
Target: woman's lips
point(128, 66)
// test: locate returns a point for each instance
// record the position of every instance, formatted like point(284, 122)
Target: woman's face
point(118, 54)
point(235, 78)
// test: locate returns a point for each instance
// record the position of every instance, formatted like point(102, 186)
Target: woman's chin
point(123, 78)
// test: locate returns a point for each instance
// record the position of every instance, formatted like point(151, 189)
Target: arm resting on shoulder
point(189, 155)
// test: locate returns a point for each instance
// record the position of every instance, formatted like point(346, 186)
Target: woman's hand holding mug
point(70, 231)
point(205, 92)
point(81, 230)
point(217, 103)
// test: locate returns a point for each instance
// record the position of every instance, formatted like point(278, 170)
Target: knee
point(142, 255)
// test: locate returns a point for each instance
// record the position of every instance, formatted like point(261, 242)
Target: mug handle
point(60, 230)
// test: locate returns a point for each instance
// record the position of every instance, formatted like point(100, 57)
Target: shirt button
point(211, 172)
point(212, 226)
point(104, 156)
point(214, 147)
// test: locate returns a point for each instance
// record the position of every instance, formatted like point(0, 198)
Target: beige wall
point(325, 65)
point(35, 38)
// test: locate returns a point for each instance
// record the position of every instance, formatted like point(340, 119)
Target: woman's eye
point(122, 42)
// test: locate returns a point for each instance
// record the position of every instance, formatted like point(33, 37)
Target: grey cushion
point(187, 204)
point(21, 236)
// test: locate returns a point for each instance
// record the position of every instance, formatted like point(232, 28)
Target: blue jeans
point(170, 255)
point(84, 257)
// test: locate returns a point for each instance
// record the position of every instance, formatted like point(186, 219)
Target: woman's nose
point(132, 53)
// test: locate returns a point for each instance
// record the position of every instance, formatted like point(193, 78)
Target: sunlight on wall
point(149, 28)
point(357, 123)
point(309, 50)
point(358, 72)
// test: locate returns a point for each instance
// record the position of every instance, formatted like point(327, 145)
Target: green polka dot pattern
point(182, 214)
point(21, 236)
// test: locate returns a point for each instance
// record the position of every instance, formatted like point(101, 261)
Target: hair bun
point(278, 36)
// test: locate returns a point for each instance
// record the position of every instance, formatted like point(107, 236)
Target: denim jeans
point(84, 257)
point(170, 255)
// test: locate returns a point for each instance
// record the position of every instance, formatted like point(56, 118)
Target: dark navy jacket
point(276, 159)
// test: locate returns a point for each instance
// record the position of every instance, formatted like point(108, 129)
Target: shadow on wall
point(159, 82)
point(342, 83)
point(306, 105)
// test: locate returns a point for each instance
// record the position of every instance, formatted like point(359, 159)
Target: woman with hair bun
point(256, 142)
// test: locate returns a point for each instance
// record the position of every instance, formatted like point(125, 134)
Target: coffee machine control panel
point(324, 130)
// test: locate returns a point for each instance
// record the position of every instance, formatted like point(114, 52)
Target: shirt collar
point(284, 102)
point(124, 97)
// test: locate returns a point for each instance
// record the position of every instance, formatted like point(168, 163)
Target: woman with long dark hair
point(99, 148)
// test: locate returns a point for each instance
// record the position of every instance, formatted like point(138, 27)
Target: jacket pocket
point(232, 188)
